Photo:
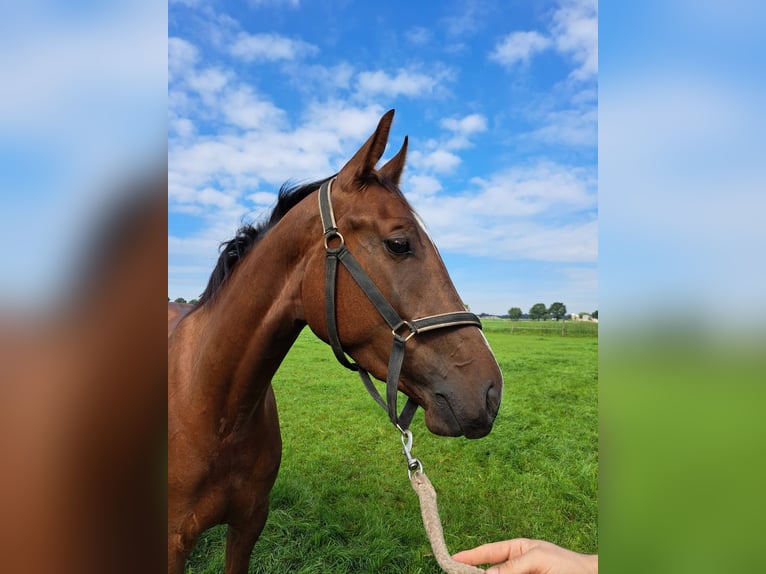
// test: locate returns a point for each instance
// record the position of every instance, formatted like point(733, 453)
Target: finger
point(492, 553)
point(529, 563)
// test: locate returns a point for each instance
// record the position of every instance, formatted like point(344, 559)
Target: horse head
point(449, 371)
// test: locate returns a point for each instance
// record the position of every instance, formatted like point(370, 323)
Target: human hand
point(523, 556)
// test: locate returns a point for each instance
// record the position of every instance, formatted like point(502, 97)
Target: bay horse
point(224, 443)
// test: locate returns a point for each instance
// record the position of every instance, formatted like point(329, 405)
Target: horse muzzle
point(450, 413)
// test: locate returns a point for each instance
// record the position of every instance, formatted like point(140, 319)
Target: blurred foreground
point(681, 445)
point(83, 180)
point(83, 408)
point(682, 334)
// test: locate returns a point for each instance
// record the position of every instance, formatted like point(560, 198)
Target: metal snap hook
point(413, 464)
point(407, 442)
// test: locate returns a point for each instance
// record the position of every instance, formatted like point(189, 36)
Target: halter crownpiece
point(402, 331)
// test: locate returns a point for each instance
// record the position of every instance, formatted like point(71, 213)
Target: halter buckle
point(404, 338)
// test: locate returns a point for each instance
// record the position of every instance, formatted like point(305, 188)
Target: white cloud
point(404, 83)
point(182, 56)
point(340, 120)
point(263, 198)
point(465, 125)
point(270, 152)
point(420, 186)
point(194, 244)
point(272, 157)
point(258, 3)
point(207, 83)
point(519, 47)
point(329, 78)
point(243, 109)
point(437, 156)
point(211, 197)
point(462, 128)
point(181, 127)
point(467, 17)
point(438, 161)
point(575, 32)
point(567, 113)
point(269, 47)
point(569, 127)
point(543, 212)
point(545, 189)
point(184, 269)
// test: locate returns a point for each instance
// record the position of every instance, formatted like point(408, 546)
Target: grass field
point(343, 502)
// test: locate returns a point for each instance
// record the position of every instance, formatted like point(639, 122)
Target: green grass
point(343, 503)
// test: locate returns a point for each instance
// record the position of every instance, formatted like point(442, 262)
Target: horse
point(348, 257)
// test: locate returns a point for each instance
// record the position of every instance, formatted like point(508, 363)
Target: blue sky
point(499, 101)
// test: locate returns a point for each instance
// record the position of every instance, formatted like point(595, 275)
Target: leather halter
point(401, 330)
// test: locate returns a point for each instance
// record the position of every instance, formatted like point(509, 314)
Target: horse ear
point(395, 166)
point(368, 155)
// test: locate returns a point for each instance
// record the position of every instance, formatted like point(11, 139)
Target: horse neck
point(245, 332)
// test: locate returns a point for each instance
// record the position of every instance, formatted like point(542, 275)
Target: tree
point(514, 313)
point(594, 314)
point(538, 311)
point(180, 300)
point(558, 310)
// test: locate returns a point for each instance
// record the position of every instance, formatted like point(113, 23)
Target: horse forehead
point(385, 204)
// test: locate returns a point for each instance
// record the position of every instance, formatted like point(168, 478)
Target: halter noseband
point(401, 330)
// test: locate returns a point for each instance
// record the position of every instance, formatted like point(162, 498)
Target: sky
point(499, 101)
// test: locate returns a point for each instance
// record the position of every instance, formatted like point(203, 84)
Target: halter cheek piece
point(401, 330)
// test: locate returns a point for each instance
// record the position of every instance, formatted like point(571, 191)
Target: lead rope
point(430, 513)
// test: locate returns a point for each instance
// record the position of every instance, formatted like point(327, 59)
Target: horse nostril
point(493, 397)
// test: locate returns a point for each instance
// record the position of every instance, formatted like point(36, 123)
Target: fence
point(542, 328)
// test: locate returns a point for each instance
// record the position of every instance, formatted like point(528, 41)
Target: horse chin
point(441, 420)
point(442, 425)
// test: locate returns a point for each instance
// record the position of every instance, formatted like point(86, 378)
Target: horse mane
point(248, 235)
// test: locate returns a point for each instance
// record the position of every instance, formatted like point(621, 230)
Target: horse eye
point(398, 246)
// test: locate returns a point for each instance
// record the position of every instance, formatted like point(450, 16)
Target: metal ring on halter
point(333, 234)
